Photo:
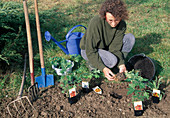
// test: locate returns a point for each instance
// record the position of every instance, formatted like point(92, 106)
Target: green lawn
point(148, 21)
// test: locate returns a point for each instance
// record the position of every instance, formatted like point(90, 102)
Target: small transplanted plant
point(80, 73)
point(137, 88)
point(154, 86)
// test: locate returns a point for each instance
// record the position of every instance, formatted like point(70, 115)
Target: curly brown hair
point(116, 7)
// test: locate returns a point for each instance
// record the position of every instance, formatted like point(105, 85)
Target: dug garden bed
point(113, 102)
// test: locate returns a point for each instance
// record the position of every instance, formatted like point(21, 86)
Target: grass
point(148, 21)
point(150, 26)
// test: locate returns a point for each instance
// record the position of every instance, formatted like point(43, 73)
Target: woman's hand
point(122, 68)
point(109, 74)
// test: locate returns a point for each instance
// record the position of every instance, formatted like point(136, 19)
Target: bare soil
point(112, 103)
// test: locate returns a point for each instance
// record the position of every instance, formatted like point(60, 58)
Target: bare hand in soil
point(120, 77)
point(108, 74)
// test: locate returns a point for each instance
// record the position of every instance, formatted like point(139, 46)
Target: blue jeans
point(109, 59)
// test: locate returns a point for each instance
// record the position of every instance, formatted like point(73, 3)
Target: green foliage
point(3, 58)
point(80, 71)
point(155, 84)
point(60, 62)
point(9, 85)
point(13, 37)
point(137, 87)
point(2, 85)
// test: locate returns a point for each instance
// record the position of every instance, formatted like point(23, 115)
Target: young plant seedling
point(79, 73)
point(156, 93)
point(137, 88)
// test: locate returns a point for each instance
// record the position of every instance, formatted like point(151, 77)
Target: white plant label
point(156, 93)
point(97, 90)
point(138, 105)
point(72, 92)
point(85, 84)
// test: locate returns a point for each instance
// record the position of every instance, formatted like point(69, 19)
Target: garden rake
point(17, 105)
point(21, 105)
point(33, 89)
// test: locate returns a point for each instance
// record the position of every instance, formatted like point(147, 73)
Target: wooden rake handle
point(29, 41)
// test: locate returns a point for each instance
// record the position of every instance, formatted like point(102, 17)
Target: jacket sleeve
point(117, 43)
point(92, 41)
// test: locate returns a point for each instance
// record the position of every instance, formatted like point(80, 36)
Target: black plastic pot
point(144, 64)
point(85, 87)
point(156, 95)
point(155, 99)
point(72, 100)
point(138, 112)
point(86, 90)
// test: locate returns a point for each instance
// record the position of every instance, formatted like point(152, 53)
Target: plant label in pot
point(155, 95)
point(72, 96)
point(97, 90)
point(85, 86)
point(138, 108)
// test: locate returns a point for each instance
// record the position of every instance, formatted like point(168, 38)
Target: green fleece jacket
point(100, 35)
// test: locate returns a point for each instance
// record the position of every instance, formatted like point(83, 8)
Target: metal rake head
point(20, 106)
